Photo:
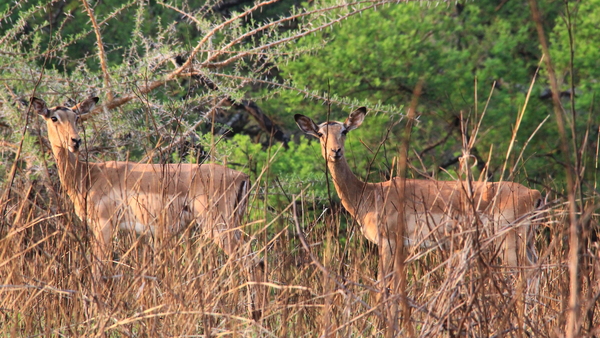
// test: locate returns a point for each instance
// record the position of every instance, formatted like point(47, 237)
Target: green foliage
point(288, 171)
point(584, 19)
point(380, 56)
point(578, 72)
point(376, 59)
point(320, 58)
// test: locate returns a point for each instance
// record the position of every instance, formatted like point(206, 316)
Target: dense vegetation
point(220, 81)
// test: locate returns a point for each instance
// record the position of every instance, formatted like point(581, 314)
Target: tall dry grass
point(318, 284)
point(320, 274)
point(320, 271)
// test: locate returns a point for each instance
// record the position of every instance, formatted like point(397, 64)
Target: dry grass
point(320, 277)
point(320, 271)
point(184, 286)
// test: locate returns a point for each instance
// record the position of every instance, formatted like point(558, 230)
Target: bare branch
point(215, 30)
point(263, 120)
point(101, 53)
point(208, 63)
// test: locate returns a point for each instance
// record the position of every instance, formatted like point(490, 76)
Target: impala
point(429, 207)
point(145, 198)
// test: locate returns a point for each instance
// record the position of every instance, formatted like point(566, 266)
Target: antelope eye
point(54, 119)
point(320, 134)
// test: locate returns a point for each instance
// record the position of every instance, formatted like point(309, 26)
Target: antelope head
point(332, 135)
point(62, 122)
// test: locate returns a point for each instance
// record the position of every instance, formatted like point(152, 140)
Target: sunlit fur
point(426, 210)
point(145, 198)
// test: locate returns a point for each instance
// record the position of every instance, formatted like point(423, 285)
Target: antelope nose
point(77, 142)
point(337, 152)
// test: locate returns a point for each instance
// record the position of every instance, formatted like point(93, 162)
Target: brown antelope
point(145, 198)
point(429, 207)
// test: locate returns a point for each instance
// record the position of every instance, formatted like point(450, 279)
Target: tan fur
point(430, 208)
point(146, 198)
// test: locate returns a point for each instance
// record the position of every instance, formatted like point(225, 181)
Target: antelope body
point(424, 211)
point(145, 198)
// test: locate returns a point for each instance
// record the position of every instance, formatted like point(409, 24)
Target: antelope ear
point(39, 106)
point(355, 119)
point(85, 106)
point(307, 125)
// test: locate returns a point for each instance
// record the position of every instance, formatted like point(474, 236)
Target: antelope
point(428, 207)
point(143, 198)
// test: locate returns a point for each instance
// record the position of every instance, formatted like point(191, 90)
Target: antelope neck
point(70, 173)
point(349, 188)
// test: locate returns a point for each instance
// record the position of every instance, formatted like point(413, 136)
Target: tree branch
point(101, 53)
point(263, 120)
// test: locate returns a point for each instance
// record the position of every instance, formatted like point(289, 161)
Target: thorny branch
point(179, 72)
point(101, 53)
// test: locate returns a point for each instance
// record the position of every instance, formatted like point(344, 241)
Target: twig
point(101, 53)
point(318, 264)
point(571, 326)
